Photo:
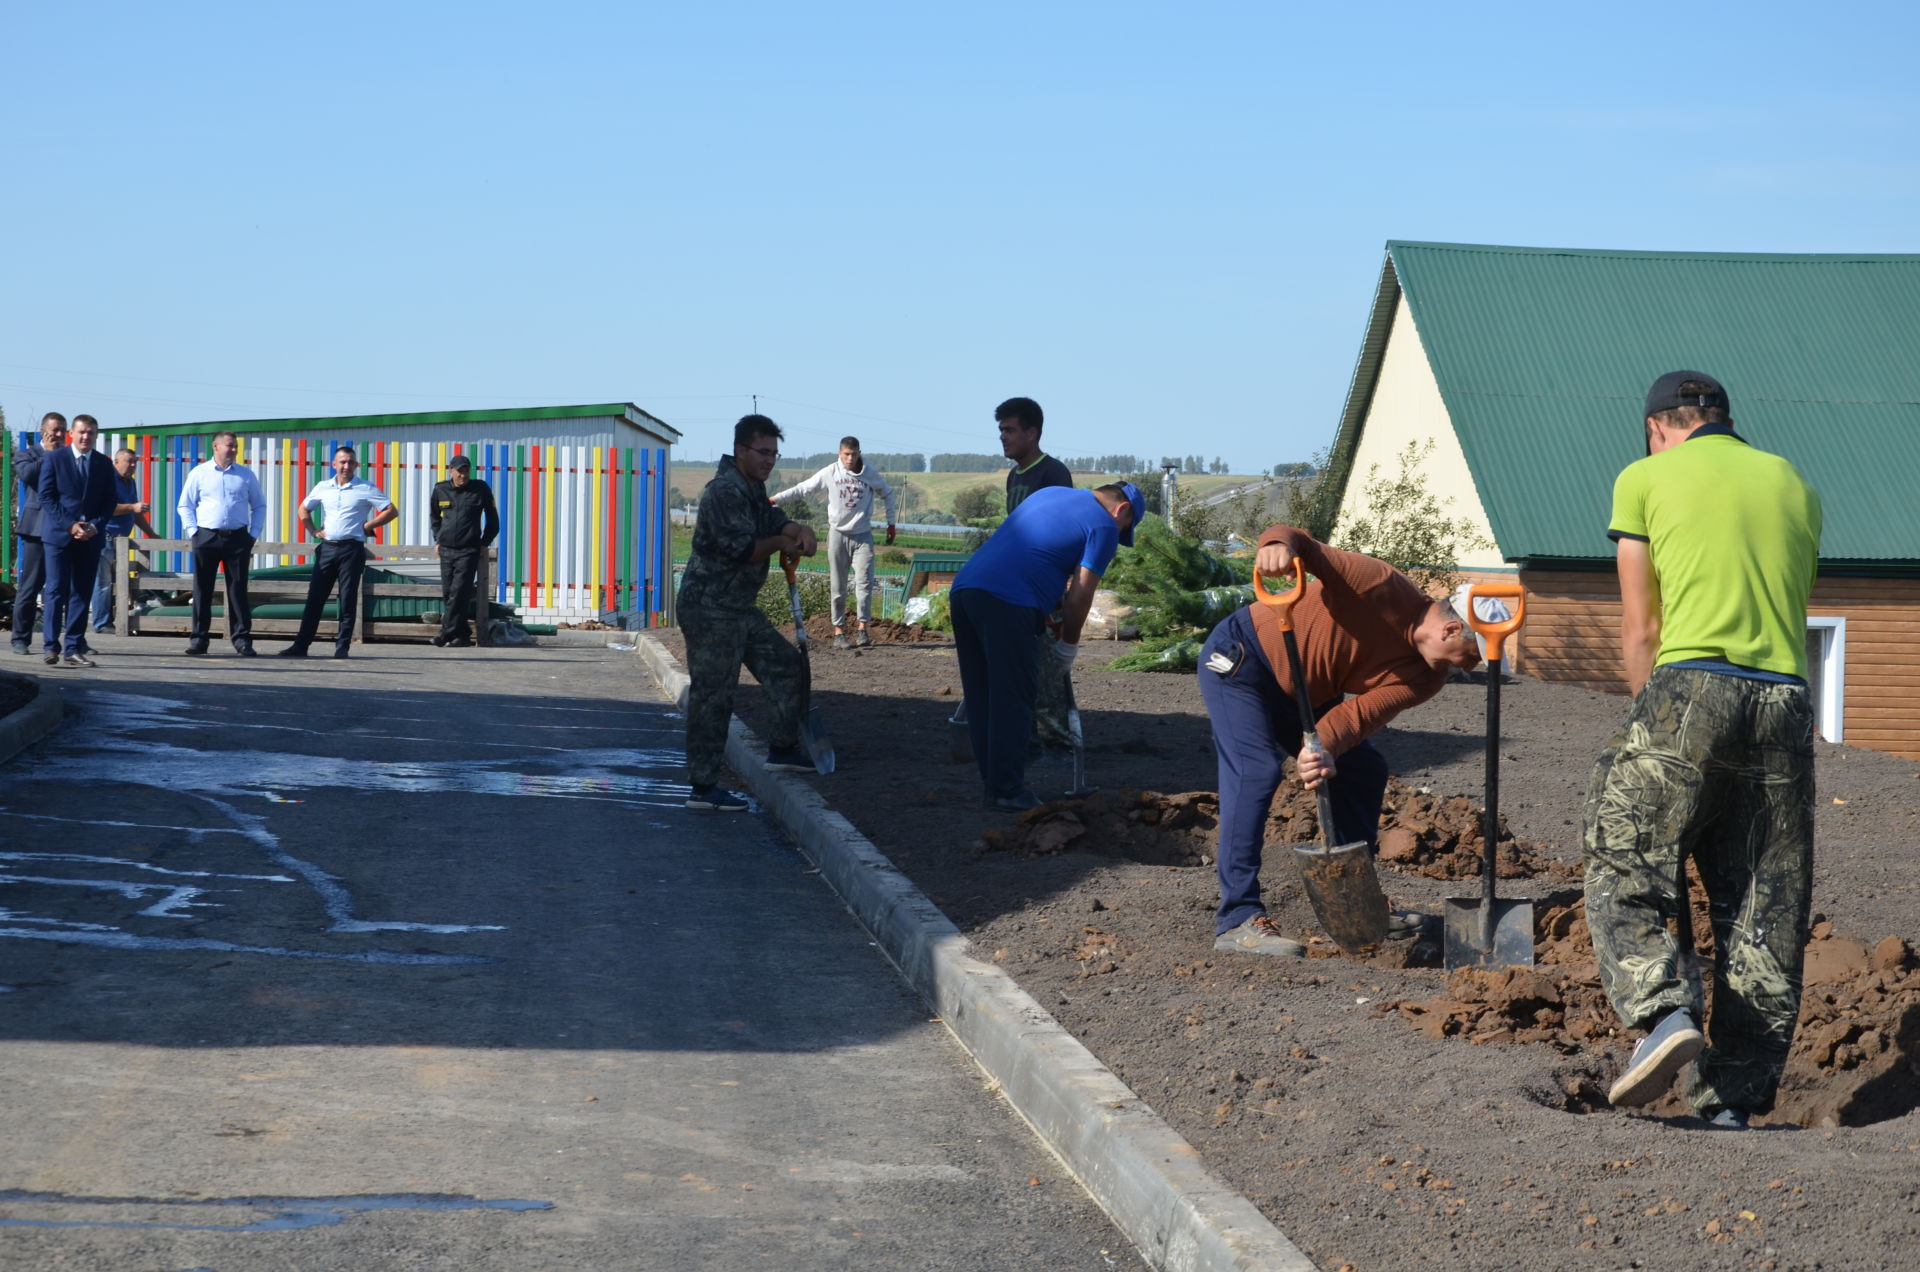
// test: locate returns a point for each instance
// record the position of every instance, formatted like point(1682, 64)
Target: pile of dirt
point(884, 631)
point(1423, 834)
point(1855, 1058)
point(1144, 826)
point(1420, 834)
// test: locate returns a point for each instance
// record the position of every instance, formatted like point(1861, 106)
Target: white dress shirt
point(347, 507)
point(216, 498)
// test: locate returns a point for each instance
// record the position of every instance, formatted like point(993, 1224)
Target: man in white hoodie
point(849, 487)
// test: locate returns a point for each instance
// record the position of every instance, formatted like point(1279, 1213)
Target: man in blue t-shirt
point(129, 513)
point(1057, 540)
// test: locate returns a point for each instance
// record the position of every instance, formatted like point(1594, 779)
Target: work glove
point(1066, 651)
point(889, 536)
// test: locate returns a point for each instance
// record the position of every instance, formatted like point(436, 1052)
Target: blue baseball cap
point(1139, 502)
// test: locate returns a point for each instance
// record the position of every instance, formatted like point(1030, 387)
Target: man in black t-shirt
point(1020, 421)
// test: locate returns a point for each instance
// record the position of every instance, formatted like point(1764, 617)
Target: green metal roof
point(335, 423)
point(1543, 358)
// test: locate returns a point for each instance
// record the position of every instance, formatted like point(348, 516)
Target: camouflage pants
point(1718, 769)
point(717, 646)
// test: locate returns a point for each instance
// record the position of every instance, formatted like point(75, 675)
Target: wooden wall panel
point(1572, 636)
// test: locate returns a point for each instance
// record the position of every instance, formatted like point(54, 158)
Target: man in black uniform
point(1020, 421)
point(465, 522)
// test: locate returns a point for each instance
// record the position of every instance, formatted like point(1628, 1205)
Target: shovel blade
point(1344, 893)
point(1466, 938)
point(819, 747)
point(960, 736)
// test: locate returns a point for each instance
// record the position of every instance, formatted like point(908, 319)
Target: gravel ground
point(1309, 1085)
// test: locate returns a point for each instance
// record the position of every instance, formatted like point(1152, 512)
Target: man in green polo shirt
point(1718, 544)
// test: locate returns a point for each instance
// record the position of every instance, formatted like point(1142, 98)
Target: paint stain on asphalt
point(284, 1214)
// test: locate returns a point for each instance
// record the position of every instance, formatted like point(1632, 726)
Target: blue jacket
point(26, 467)
point(71, 492)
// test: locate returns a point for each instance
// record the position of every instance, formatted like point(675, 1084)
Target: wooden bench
point(271, 591)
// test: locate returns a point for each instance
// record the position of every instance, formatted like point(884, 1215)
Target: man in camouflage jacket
point(735, 535)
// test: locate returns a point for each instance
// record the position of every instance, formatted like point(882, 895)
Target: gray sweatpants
point(855, 550)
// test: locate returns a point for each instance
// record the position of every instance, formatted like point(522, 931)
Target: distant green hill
point(940, 488)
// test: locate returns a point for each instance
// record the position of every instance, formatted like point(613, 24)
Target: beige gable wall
point(1406, 408)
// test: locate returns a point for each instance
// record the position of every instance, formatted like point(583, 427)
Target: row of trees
point(886, 462)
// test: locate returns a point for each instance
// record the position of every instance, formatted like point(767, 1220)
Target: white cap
point(1488, 609)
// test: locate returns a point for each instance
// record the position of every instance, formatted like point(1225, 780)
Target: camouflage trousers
point(1717, 769)
point(717, 646)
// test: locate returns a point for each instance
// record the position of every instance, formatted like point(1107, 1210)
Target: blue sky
point(1164, 222)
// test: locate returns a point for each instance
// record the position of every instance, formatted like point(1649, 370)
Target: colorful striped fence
point(583, 529)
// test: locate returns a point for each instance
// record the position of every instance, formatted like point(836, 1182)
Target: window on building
point(1827, 675)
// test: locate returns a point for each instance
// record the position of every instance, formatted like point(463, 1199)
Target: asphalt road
point(416, 961)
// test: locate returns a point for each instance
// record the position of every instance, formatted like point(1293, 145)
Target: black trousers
point(340, 561)
point(459, 573)
point(32, 581)
point(214, 550)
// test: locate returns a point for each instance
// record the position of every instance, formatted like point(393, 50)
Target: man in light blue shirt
point(352, 507)
point(222, 511)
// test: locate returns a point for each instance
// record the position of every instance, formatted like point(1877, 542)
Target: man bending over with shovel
point(1365, 629)
point(1057, 540)
point(735, 533)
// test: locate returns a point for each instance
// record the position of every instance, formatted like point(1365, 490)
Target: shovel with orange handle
point(1486, 931)
point(1340, 882)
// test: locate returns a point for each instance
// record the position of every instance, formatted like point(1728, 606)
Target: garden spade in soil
point(813, 734)
point(1340, 883)
point(1485, 931)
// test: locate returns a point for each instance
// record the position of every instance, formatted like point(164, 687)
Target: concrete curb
point(21, 729)
point(1146, 1177)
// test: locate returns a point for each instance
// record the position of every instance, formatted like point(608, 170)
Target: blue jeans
point(998, 644)
point(1256, 725)
point(112, 556)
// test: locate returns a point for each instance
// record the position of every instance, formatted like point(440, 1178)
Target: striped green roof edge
point(1534, 363)
point(336, 423)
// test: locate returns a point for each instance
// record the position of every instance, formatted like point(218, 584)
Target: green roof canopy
point(1543, 358)
point(333, 423)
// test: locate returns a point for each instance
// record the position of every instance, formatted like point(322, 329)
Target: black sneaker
point(788, 759)
point(714, 799)
point(195, 649)
point(459, 642)
point(341, 653)
point(78, 660)
point(22, 647)
point(840, 640)
point(861, 640)
point(1015, 803)
point(246, 651)
point(1729, 1120)
point(293, 651)
point(50, 658)
point(438, 641)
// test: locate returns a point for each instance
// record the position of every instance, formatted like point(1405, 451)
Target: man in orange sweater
point(1364, 629)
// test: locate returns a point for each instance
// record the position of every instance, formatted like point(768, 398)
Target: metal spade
point(1485, 931)
point(1340, 882)
point(813, 732)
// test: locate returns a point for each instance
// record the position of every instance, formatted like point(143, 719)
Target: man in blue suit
point(78, 496)
point(32, 579)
